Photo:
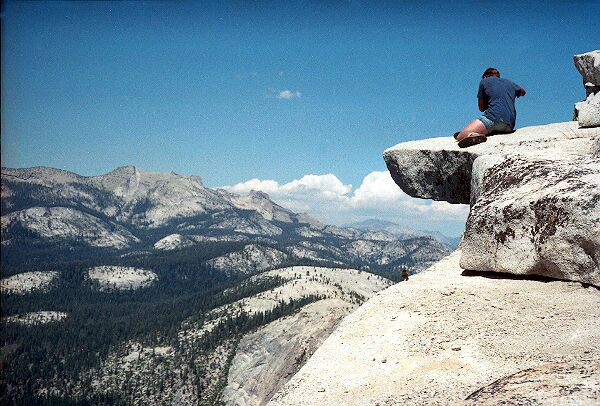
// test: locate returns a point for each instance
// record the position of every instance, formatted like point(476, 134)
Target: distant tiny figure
point(404, 275)
point(496, 99)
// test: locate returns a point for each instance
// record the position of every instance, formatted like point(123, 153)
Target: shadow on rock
point(504, 275)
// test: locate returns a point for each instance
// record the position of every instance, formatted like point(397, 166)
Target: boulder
point(534, 195)
point(588, 64)
point(589, 111)
point(536, 216)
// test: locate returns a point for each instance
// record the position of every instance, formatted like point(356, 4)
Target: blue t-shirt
point(499, 93)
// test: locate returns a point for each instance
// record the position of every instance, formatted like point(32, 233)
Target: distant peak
point(124, 170)
point(198, 179)
point(39, 172)
point(259, 194)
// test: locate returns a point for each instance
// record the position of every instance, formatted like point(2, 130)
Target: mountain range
point(147, 288)
point(402, 232)
point(132, 212)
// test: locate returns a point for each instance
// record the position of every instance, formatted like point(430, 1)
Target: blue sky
point(271, 90)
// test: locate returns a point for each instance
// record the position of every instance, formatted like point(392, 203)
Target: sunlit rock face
point(253, 258)
point(28, 282)
point(36, 318)
point(537, 216)
point(64, 224)
point(451, 337)
point(459, 333)
point(534, 195)
point(268, 357)
point(589, 111)
point(111, 278)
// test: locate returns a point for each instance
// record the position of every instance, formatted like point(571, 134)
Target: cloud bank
point(329, 199)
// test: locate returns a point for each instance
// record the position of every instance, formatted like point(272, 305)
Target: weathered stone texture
point(565, 383)
point(447, 335)
point(436, 168)
point(589, 111)
point(537, 216)
point(534, 197)
point(588, 64)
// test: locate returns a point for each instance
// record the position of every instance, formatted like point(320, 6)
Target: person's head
point(490, 72)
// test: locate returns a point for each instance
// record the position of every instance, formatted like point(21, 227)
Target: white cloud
point(327, 198)
point(445, 207)
point(300, 195)
point(377, 188)
point(326, 185)
point(267, 186)
point(288, 94)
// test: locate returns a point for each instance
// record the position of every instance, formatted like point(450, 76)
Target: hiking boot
point(472, 139)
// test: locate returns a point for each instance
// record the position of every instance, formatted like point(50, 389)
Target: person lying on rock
point(496, 99)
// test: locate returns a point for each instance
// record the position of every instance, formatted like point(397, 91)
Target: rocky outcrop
point(436, 168)
point(446, 335)
point(28, 282)
point(172, 242)
point(534, 195)
point(253, 258)
point(461, 333)
point(36, 318)
point(266, 359)
point(260, 202)
point(588, 64)
point(537, 216)
point(112, 278)
point(587, 112)
point(59, 224)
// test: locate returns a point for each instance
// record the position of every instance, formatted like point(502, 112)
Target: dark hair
point(490, 72)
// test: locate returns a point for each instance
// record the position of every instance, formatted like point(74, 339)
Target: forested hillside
point(135, 287)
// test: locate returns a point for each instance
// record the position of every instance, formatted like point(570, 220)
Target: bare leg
point(474, 126)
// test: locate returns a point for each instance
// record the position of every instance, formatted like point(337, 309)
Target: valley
point(145, 288)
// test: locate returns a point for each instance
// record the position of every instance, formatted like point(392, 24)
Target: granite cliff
point(534, 196)
point(512, 316)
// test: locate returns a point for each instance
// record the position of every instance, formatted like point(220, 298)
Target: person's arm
point(521, 92)
point(482, 98)
point(482, 103)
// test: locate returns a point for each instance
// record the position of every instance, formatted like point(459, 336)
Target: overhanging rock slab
point(534, 195)
point(436, 168)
